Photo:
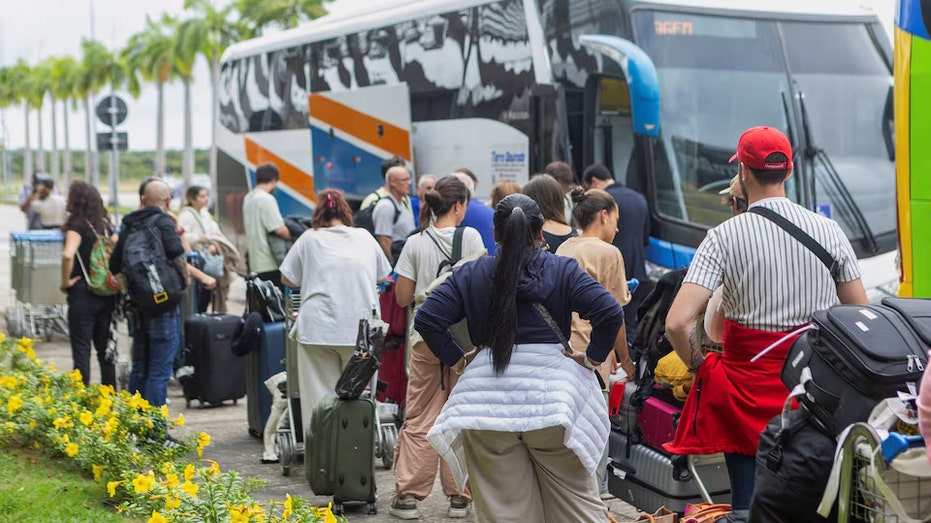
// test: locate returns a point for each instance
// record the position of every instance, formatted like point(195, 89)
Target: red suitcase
point(658, 421)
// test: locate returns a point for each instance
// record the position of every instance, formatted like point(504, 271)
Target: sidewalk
point(231, 445)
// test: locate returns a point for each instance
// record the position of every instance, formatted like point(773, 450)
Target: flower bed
point(116, 439)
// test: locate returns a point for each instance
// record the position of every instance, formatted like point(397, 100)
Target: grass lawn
point(40, 489)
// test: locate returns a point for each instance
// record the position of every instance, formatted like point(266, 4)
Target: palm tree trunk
point(214, 111)
point(66, 154)
point(27, 150)
point(55, 162)
point(160, 132)
point(187, 163)
point(40, 155)
point(89, 149)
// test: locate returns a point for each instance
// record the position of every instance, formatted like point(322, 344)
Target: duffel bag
point(858, 355)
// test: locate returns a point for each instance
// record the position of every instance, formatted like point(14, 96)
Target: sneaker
point(458, 507)
point(404, 507)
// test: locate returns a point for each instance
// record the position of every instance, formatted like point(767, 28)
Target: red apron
point(732, 399)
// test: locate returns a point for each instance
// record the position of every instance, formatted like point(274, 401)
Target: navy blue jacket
point(555, 281)
point(633, 224)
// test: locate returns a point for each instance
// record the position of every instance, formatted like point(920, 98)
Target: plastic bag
point(364, 361)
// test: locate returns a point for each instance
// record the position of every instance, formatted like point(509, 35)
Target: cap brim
point(732, 158)
point(726, 190)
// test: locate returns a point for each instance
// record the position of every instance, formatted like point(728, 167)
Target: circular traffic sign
point(112, 110)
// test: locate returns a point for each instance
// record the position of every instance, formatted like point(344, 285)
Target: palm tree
point(47, 67)
point(66, 76)
point(210, 31)
point(19, 76)
point(285, 14)
point(6, 100)
point(38, 87)
point(91, 77)
point(151, 54)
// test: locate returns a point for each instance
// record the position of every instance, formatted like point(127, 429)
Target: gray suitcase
point(649, 479)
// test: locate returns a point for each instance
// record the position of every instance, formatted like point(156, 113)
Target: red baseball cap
point(757, 143)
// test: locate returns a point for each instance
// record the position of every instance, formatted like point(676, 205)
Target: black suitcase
point(859, 355)
point(218, 374)
point(262, 363)
point(340, 456)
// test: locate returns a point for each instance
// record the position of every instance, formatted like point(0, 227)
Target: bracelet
point(590, 364)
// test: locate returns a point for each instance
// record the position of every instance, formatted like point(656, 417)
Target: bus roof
point(331, 26)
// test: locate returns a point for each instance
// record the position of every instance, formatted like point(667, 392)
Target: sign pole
point(114, 161)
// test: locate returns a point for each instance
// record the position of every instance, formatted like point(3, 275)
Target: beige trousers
point(319, 368)
point(416, 460)
point(530, 476)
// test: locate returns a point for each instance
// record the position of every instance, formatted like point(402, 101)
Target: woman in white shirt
point(337, 267)
point(203, 233)
point(429, 383)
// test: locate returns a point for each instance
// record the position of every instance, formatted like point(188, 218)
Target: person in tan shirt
point(596, 213)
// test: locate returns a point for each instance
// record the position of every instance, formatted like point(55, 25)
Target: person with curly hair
point(89, 314)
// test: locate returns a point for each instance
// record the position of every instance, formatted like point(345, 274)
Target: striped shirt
point(771, 281)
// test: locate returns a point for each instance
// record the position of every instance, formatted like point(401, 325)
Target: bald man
point(156, 335)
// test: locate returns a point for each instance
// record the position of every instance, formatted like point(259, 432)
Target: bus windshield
point(721, 75)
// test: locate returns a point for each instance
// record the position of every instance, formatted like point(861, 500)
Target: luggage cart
point(290, 436)
point(871, 489)
point(38, 306)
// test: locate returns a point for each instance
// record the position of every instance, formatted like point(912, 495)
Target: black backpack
point(363, 217)
point(154, 283)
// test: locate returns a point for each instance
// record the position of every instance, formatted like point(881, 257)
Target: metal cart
point(37, 305)
point(290, 437)
point(871, 490)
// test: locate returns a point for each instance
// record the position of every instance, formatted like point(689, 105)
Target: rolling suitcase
point(340, 455)
point(217, 374)
point(658, 421)
point(262, 363)
point(649, 478)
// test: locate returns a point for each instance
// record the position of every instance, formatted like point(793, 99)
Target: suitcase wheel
point(187, 404)
point(372, 508)
point(337, 508)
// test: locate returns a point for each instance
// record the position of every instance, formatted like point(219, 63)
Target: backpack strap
point(804, 238)
point(197, 218)
point(457, 246)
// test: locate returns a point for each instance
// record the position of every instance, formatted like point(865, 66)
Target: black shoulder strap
point(457, 245)
point(799, 235)
point(545, 314)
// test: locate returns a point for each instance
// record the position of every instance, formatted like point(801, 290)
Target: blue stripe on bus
point(668, 254)
point(341, 165)
point(287, 204)
point(908, 17)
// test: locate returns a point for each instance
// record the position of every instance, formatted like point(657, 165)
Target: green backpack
point(100, 280)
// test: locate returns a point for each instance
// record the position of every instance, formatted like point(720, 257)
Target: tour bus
point(913, 129)
point(659, 91)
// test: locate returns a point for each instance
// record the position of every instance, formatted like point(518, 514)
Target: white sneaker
point(404, 507)
point(458, 507)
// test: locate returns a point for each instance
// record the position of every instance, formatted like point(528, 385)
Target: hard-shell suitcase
point(262, 363)
point(621, 413)
point(658, 421)
point(858, 355)
point(218, 374)
point(340, 455)
point(649, 478)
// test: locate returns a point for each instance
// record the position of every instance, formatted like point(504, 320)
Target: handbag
point(265, 298)
point(212, 262)
point(364, 361)
point(706, 512)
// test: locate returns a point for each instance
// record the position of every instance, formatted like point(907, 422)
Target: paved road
point(231, 446)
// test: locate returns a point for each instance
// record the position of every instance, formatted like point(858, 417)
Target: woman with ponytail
point(527, 423)
point(337, 267)
point(425, 255)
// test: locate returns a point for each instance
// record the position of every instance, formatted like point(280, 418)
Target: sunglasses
point(738, 204)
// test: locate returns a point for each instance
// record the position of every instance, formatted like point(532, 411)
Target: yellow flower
point(13, 404)
point(97, 471)
point(258, 513)
point(239, 515)
point(106, 390)
point(327, 513)
point(164, 411)
point(214, 466)
point(51, 365)
point(203, 440)
point(143, 483)
point(167, 467)
point(63, 422)
point(179, 421)
point(65, 438)
point(8, 382)
point(188, 473)
point(104, 408)
point(149, 424)
point(287, 507)
point(171, 480)
point(32, 424)
point(76, 377)
point(190, 489)
point(111, 487)
point(2, 337)
point(172, 502)
point(157, 518)
point(86, 418)
point(137, 402)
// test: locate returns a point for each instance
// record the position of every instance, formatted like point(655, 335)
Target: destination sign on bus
point(683, 24)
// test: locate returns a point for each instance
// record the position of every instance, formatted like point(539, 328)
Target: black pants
point(89, 320)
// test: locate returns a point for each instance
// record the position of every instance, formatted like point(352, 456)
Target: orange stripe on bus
point(290, 175)
point(359, 125)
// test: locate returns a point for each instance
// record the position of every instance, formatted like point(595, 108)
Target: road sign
point(106, 141)
point(112, 110)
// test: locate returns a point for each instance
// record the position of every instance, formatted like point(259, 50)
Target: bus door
point(622, 109)
point(549, 136)
point(353, 131)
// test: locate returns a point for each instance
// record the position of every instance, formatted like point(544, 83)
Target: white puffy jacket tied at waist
point(540, 388)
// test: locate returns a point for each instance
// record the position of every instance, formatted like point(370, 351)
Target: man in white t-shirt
point(261, 217)
point(393, 216)
point(48, 206)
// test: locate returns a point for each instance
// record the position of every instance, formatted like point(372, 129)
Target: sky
point(35, 29)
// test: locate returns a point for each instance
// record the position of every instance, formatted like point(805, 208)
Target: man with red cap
point(772, 284)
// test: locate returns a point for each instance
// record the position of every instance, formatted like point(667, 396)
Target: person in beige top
point(596, 213)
